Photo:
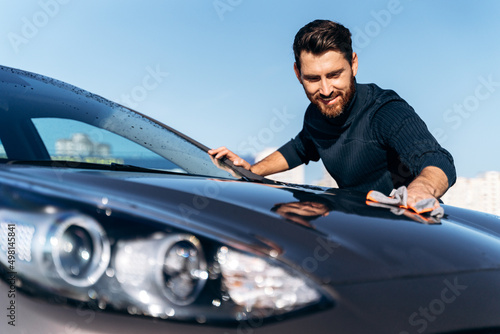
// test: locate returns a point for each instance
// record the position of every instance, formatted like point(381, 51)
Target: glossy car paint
point(385, 273)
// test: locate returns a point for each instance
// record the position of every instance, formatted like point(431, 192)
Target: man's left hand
point(432, 182)
point(418, 192)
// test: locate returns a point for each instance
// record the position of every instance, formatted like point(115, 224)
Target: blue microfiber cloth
point(397, 202)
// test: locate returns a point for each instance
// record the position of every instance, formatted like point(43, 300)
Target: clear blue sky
point(221, 70)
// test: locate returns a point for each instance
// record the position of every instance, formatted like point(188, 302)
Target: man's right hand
point(273, 163)
point(222, 152)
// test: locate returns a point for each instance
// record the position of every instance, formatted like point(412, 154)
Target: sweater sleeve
point(299, 150)
point(396, 125)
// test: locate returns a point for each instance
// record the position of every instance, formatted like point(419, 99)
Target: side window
point(71, 140)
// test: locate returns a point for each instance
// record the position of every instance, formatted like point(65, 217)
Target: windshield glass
point(45, 119)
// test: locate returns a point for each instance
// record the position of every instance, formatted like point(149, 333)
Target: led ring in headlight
point(184, 268)
point(162, 271)
point(80, 249)
point(56, 250)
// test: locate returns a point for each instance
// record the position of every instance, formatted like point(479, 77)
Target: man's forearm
point(272, 164)
point(434, 179)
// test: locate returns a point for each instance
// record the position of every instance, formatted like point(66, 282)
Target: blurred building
point(481, 193)
point(80, 145)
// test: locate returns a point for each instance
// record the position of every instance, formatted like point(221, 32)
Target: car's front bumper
point(436, 304)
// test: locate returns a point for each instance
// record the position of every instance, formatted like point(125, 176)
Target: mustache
point(332, 94)
point(326, 96)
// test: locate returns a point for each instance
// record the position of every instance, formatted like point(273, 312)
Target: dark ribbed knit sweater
point(377, 143)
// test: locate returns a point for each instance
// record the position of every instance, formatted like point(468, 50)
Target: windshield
point(47, 120)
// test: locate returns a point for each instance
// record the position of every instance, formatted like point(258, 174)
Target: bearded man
point(367, 137)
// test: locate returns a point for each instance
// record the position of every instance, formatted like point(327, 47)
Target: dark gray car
point(111, 222)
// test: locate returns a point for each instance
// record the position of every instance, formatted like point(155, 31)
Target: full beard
point(338, 108)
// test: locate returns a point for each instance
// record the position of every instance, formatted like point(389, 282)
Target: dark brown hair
point(322, 35)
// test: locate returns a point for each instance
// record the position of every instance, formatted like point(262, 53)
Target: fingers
point(222, 152)
point(413, 200)
point(240, 162)
point(423, 204)
point(421, 198)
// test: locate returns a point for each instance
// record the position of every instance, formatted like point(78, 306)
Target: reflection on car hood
point(330, 247)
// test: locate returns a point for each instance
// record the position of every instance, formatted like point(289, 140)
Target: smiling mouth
point(329, 100)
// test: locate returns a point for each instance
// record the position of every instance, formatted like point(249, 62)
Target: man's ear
point(297, 72)
point(354, 65)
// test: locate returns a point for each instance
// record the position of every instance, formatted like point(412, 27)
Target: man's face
point(303, 208)
point(328, 80)
point(301, 212)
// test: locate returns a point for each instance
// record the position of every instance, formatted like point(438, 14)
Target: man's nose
point(325, 89)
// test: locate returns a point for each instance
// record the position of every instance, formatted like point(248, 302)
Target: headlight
point(79, 248)
point(60, 250)
point(155, 271)
point(157, 274)
point(254, 283)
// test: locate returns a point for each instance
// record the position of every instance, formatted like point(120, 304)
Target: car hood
point(352, 242)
